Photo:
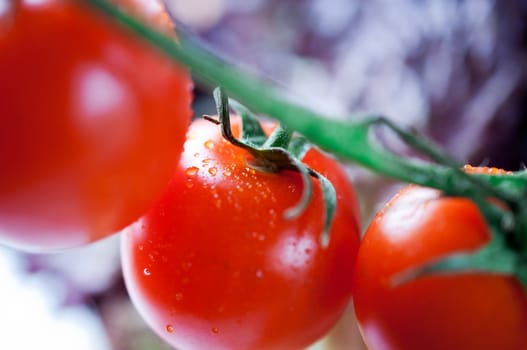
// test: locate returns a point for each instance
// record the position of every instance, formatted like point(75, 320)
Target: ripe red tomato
point(92, 125)
point(449, 311)
point(214, 264)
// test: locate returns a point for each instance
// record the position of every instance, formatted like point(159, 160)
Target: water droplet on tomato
point(141, 248)
point(258, 236)
point(179, 296)
point(146, 271)
point(209, 144)
point(189, 184)
point(227, 172)
point(213, 171)
point(214, 330)
point(259, 274)
point(191, 171)
point(169, 328)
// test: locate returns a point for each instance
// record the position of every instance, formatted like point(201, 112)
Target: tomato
point(215, 265)
point(441, 311)
point(92, 125)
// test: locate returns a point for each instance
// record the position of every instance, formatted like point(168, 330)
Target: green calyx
point(280, 151)
point(494, 258)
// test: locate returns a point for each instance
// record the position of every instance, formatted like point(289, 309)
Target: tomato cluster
point(93, 124)
point(94, 139)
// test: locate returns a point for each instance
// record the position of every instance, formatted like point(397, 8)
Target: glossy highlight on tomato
point(449, 311)
point(215, 265)
point(92, 124)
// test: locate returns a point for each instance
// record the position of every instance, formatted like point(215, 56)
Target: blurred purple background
point(454, 70)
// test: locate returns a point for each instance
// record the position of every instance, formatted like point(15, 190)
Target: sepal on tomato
point(494, 258)
point(252, 131)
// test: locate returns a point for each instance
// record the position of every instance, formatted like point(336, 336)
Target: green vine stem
point(347, 140)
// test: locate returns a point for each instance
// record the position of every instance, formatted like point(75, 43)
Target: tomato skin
point(93, 122)
point(455, 311)
point(214, 265)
